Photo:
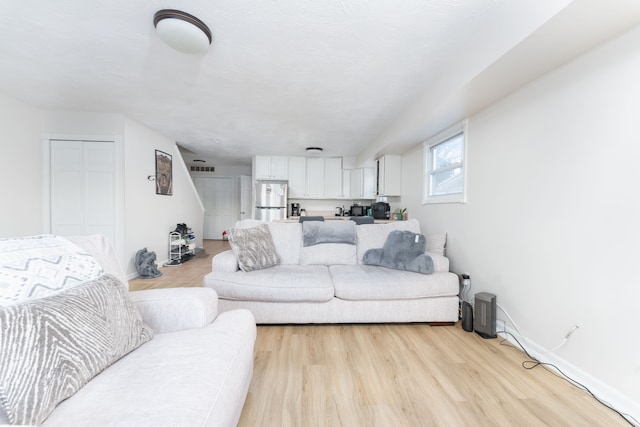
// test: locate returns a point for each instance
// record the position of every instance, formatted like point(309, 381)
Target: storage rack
point(181, 248)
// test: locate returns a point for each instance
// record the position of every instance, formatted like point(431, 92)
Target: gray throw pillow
point(253, 247)
point(403, 250)
point(51, 347)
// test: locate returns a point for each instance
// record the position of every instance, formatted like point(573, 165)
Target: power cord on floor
point(534, 362)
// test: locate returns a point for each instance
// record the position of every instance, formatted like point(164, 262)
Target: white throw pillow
point(39, 266)
point(436, 243)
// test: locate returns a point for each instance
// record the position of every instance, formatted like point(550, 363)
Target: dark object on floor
point(200, 253)
point(146, 264)
point(467, 316)
point(484, 321)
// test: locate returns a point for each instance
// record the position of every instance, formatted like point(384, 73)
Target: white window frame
point(427, 197)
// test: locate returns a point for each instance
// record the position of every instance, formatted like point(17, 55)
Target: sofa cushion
point(253, 247)
point(279, 283)
point(287, 238)
point(315, 232)
point(328, 254)
point(368, 282)
point(371, 236)
point(51, 347)
point(38, 266)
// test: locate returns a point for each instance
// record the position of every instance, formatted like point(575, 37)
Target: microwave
point(358, 210)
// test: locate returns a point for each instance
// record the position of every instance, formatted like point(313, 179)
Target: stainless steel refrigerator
point(271, 200)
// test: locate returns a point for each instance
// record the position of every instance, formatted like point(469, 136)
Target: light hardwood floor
point(394, 375)
point(188, 274)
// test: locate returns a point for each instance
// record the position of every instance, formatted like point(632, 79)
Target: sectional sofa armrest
point(440, 263)
point(176, 309)
point(224, 262)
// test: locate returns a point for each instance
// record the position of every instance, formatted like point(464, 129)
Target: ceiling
point(358, 77)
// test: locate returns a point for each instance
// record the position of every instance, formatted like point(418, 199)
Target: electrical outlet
point(466, 280)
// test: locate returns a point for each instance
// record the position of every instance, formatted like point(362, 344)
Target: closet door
point(83, 188)
point(217, 197)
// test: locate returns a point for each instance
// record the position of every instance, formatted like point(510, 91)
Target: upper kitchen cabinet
point(271, 167)
point(333, 178)
point(362, 183)
point(369, 183)
point(388, 175)
point(306, 177)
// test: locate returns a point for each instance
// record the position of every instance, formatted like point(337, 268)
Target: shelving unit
point(181, 249)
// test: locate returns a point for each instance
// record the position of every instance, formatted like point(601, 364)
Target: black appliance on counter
point(357, 210)
point(295, 209)
point(381, 210)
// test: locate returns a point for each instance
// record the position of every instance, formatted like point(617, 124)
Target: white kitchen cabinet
point(356, 188)
point(369, 183)
point(297, 177)
point(362, 183)
point(315, 177)
point(271, 167)
point(306, 177)
point(388, 175)
point(346, 184)
point(333, 178)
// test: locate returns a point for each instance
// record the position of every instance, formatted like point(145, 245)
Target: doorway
point(83, 188)
point(220, 201)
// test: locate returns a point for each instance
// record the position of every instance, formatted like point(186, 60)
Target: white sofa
point(328, 283)
point(195, 371)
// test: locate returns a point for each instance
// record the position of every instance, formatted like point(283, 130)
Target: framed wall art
point(164, 173)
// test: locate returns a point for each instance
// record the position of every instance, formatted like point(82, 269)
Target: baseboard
point(611, 396)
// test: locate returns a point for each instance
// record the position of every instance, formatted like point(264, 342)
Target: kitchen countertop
point(333, 218)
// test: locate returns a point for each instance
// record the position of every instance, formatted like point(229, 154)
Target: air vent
point(203, 169)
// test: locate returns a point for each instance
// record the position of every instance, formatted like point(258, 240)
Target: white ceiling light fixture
point(182, 31)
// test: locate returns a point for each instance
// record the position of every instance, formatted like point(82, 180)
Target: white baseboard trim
point(604, 392)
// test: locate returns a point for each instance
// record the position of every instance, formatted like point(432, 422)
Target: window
point(444, 160)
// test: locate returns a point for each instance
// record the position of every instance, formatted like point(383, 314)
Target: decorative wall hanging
point(164, 173)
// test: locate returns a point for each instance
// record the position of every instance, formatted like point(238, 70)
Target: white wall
point(147, 217)
point(552, 222)
point(150, 217)
point(20, 169)
point(82, 123)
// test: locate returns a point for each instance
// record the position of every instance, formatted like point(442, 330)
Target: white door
point(245, 197)
point(83, 188)
point(217, 197)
